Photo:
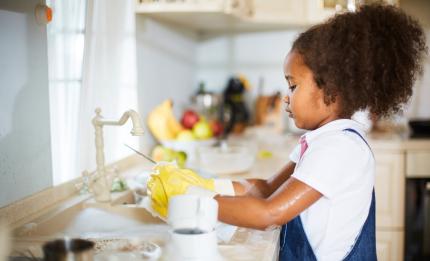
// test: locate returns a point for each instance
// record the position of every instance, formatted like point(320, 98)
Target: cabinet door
point(390, 189)
point(279, 11)
point(389, 245)
point(316, 12)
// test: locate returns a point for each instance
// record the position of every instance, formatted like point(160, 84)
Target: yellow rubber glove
point(170, 180)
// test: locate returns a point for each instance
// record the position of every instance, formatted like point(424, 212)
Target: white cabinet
point(418, 163)
point(316, 12)
point(200, 16)
point(390, 189)
point(240, 8)
point(279, 12)
point(390, 201)
point(389, 245)
point(395, 161)
point(220, 16)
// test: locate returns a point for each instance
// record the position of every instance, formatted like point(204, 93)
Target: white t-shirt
point(340, 165)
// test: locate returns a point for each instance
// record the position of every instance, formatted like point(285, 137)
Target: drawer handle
point(428, 185)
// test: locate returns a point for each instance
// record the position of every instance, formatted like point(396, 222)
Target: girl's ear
point(336, 106)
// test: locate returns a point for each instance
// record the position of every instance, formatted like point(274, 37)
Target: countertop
point(246, 244)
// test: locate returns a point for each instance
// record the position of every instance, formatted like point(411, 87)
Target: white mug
point(193, 247)
point(193, 212)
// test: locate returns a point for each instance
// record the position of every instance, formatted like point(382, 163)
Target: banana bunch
point(162, 122)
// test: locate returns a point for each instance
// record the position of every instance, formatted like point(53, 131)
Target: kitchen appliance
point(234, 113)
point(417, 242)
point(206, 103)
point(420, 128)
point(193, 237)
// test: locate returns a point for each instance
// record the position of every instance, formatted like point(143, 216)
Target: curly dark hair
point(370, 59)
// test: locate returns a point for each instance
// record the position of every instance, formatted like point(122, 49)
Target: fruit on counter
point(185, 135)
point(162, 122)
point(189, 118)
point(161, 153)
point(181, 158)
point(265, 154)
point(216, 127)
point(202, 130)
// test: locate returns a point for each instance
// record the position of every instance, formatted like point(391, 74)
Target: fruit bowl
point(189, 147)
point(228, 159)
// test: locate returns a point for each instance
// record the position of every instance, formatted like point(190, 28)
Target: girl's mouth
point(290, 113)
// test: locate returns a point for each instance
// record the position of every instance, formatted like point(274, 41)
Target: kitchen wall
point(25, 149)
point(175, 62)
point(166, 68)
point(419, 106)
point(260, 56)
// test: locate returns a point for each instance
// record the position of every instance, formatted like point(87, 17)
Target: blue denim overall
point(294, 244)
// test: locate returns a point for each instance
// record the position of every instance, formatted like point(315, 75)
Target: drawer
point(418, 163)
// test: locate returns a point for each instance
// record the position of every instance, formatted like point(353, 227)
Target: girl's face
point(305, 101)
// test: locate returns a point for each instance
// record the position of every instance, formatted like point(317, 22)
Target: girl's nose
point(287, 99)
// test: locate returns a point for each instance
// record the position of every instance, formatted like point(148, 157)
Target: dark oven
point(417, 241)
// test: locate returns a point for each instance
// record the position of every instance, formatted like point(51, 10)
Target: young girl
point(324, 197)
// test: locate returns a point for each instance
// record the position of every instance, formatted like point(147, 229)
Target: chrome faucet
point(100, 184)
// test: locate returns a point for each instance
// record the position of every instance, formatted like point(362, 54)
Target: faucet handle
point(98, 111)
point(83, 186)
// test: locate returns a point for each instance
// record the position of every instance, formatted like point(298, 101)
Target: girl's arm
point(263, 188)
point(288, 201)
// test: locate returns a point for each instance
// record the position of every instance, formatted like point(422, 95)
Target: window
point(66, 36)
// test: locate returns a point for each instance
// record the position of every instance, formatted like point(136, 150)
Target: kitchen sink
point(122, 221)
point(91, 220)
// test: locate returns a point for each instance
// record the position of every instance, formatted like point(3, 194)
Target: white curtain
point(109, 78)
point(65, 53)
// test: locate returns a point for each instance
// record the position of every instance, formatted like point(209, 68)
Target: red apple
point(189, 118)
point(216, 127)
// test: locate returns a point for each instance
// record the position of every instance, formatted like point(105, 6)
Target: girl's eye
point(292, 87)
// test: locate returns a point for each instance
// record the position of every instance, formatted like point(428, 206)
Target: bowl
point(227, 159)
point(189, 147)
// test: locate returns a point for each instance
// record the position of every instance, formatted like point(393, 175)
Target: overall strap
point(365, 245)
point(359, 135)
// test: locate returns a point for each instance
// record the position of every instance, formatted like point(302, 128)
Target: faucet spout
point(137, 129)
point(102, 194)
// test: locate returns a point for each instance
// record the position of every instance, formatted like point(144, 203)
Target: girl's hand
point(169, 181)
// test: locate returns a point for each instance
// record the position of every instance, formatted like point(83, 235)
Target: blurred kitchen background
point(62, 59)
